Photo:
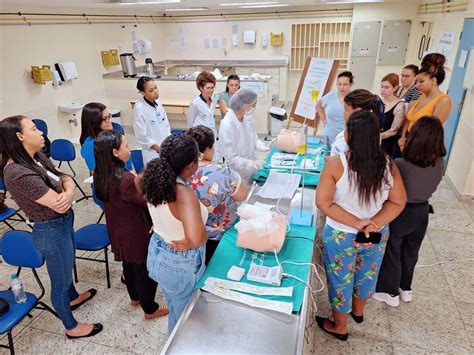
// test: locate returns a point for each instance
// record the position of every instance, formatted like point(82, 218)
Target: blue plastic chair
point(41, 125)
point(63, 150)
point(93, 237)
point(118, 127)
point(19, 250)
point(137, 160)
point(98, 202)
point(7, 215)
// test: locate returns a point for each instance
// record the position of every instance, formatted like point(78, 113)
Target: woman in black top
point(422, 168)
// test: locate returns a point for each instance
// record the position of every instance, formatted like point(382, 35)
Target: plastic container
point(17, 288)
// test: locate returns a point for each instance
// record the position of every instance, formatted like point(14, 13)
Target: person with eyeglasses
point(95, 118)
point(150, 122)
point(202, 108)
point(408, 91)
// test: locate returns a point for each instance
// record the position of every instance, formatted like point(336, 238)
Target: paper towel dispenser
point(67, 70)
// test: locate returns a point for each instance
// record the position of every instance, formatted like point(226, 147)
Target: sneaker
point(406, 296)
point(392, 301)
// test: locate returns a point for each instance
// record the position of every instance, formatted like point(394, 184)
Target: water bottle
point(17, 288)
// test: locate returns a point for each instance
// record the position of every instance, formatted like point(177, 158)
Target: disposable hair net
point(241, 98)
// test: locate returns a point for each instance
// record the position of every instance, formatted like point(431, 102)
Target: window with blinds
point(322, 40)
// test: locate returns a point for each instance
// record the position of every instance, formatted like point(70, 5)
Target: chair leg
point(10, 343)
point(60, 164)
point(18, 271)
point(76, 280)
point(9, 225)
point(100, 218)
point(70, 167)
point(49, 309)
point(107, 271)
point(85, 197)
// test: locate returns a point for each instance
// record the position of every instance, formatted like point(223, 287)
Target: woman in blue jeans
point(45, 195)
point(176, 252)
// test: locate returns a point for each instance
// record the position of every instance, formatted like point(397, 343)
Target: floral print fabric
point(214, 185)
point(351, 269)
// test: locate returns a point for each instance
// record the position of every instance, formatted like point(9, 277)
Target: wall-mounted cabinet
point(322, 40)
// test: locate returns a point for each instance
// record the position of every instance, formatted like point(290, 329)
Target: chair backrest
point(62, 150)
point(118, 127)
point(2, 184)
point(137, 160)
point(177, 131)
point(97, 201)
point(18, 249)
point(41, 125)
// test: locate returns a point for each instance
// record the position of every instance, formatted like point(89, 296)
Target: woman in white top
point(360, 190)
point(150, 122)
point(237, 136)
point(202, 108)
point(176, 252)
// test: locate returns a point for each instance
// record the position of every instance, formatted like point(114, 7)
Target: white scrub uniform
point(200, 113)
point(237, 144)
point(151, 126)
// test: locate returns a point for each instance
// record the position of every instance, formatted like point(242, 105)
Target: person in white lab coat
point(150, 122)
point(237, 136)
point(202, 108)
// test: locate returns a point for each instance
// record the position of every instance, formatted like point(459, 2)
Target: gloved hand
point(262, 146)
point(257, 164)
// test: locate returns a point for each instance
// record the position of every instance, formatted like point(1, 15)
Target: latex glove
point(257, 164)
point(262, 146)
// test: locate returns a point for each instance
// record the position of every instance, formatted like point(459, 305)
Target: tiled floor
point(439, 320)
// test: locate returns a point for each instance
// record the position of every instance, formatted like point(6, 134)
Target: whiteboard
point(313, 87)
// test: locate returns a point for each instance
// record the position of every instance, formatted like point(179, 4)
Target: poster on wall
point(313, 87)
point(445, 44)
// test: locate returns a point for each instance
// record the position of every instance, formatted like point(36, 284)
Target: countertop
point(118, 75)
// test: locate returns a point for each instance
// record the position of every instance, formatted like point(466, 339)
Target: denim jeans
point(54, 239)
point(177, 273)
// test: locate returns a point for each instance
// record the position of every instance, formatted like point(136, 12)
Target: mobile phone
point(374, 238)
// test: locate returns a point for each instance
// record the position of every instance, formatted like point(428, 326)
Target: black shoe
point(320, 322)
point(358, 319)
point(92, 291)
point(96, 329)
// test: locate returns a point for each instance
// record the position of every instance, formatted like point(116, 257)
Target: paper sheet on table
point(280, 185)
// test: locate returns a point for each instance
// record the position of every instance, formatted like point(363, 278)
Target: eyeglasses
point(106, 118)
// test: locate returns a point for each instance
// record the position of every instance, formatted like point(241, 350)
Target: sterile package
point(235, 273)
point(280, 185)
point(249, 288)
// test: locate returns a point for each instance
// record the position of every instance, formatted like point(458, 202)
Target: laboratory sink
point(72, 107)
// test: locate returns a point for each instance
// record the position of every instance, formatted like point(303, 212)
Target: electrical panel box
point(365, 39)
point(394, 42)
point(250, 36)
point(363, 69)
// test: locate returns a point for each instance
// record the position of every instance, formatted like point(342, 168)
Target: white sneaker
point(406, 296)
point(392, 301)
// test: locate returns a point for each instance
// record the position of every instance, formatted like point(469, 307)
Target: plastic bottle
point(17, 288)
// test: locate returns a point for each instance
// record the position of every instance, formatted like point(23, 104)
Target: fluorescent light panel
point(150, 2)
point(249, 3)
point(261, 6)
point(187, 9)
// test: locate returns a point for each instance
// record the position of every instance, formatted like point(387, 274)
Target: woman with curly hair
point(176, 252)
point(202, 108)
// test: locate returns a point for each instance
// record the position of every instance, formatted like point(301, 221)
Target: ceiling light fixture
point(249, 3)
point(262, 6)
point(149, 2)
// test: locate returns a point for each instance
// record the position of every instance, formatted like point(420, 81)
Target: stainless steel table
point(210, 324)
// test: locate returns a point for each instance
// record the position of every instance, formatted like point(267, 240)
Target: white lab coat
point(200, 113)
point(237, 144)
point(151, 126)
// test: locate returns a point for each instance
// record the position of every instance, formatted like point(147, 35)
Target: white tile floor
point(439, 320)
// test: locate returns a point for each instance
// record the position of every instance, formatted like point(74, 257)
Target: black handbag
point(4, 307)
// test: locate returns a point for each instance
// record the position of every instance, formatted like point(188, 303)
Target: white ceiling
point(142, 7)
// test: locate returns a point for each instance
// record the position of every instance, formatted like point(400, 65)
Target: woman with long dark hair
point(217, 186)
point(128, 220)
point(360, 191)
point(45, 195)
point(176, 253)
point(422, 168)
point(356, 100)
point(95, 118)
